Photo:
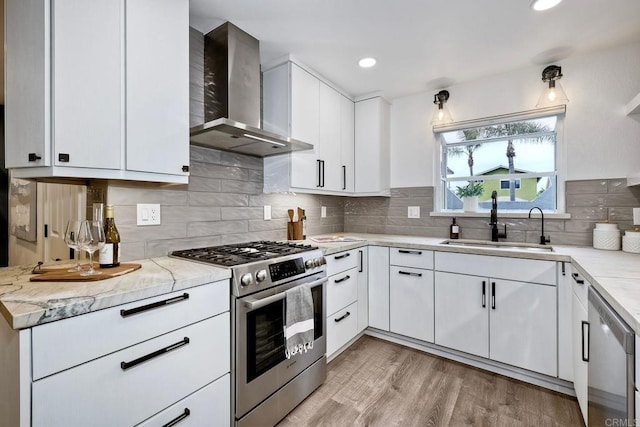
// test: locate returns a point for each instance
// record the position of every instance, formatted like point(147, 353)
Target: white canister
point(631, 242)
point(607, 237)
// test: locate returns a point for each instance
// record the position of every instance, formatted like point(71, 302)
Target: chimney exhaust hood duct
point(232, 98)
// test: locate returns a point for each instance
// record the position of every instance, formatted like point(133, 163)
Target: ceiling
point(422, 45)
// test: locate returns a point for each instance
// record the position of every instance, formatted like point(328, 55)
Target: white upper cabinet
point(298, 104)
point(372, 146)
point(97, 90)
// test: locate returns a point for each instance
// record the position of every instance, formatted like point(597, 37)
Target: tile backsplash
point(223, 203)
point(588, 202)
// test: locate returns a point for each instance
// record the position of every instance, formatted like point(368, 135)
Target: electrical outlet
point(413, 212)
point(148, 214)
point(323, 212)
point(267, 212)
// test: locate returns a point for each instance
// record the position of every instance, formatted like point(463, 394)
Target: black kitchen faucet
point(495, 234)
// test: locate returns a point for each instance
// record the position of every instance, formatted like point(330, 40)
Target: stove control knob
point(261, 276)
point(310, 263)
point(321, 261)
point(246, 279)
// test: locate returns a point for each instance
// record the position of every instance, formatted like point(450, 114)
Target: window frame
point(561, 159)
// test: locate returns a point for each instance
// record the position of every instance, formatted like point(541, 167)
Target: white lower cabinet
point(461, 316)
point(580, 335)
point(342, 326)
point(379, 287)
point(342, 290)
point(411, 302)
point(208, 406)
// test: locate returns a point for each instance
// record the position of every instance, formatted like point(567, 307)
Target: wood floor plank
point(378, 383)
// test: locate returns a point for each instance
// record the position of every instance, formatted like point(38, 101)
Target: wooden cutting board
point(62, 275)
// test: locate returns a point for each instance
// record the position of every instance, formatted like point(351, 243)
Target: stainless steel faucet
point(495, 234)
point(543, 240)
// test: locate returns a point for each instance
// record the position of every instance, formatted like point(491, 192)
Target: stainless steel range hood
point(232, 98)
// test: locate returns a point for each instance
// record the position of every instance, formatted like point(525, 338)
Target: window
point(517, 159)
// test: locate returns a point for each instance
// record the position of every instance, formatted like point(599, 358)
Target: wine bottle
point(110, 252)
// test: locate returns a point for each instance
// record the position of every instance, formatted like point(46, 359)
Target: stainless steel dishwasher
point(611, 345)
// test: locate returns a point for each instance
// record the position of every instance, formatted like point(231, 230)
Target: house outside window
point(516, 158)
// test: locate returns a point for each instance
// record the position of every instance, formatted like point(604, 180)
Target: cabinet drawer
point(106, 392)
point(342, 290)
point(416, 258)
point(93, 335)
point(580, 287)
point(341, 261)
point(411, 310)
point(341, 327)
point(208, 406)
point(523, 270)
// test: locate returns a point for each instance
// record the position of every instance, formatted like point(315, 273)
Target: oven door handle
point(254, 304)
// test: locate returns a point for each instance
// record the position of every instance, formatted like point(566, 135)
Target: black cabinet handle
point(342, 256)
point(143, 308)
point(179, 418)
point(185, 168)
point(347, 314)
point(347, 277)
point(63, 157)
point(575, 277)
point(344, 177)
point(585, 358)
point(493, 295)
point(484, 294)
point(167, 349)
point(33, 157)
point(322, 161)
point(403, 251)
point(361, 261)
point(319, 164)
point(408, 273)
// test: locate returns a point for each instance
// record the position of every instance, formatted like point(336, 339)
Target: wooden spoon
point(290, 212)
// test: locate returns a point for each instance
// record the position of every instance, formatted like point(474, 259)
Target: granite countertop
point(614, 274)
point(24, 304)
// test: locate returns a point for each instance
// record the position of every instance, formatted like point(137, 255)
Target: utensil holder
point(294, 230)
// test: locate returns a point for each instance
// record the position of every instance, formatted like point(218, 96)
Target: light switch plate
point(267, 212)
point(323, 212)
point(148, 214)
point(413, 212)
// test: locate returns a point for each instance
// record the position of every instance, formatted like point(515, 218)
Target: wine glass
point(71, 239)
point(91, 238)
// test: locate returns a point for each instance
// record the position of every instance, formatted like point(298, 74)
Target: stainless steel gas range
point(266, 385)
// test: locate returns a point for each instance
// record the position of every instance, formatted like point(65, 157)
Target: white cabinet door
point(342, 290)
point(329, 141)
point(411, 302)
point(461, 314)
point(157, 126)
point(88, 84)
point(342, 326)
point(565, 347)
point(347, 134)
point(363, 288)
point(580, 336)
point(305, 126)
point(523, 325)
point(372, 134)
point(379, 287)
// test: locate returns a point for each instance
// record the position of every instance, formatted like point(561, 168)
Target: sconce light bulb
point(552, 94)
point(440, 114)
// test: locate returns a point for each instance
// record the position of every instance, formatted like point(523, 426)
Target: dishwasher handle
point(585, 357)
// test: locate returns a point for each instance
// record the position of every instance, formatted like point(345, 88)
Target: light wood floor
point(377, 383)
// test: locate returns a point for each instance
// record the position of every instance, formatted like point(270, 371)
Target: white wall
point(602, 142)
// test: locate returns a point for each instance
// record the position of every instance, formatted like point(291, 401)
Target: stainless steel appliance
point(266, 385)
point(611, 377)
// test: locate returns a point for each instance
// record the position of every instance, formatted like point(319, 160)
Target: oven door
point(261, 367)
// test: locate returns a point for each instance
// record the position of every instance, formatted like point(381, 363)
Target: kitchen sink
point(486, 244)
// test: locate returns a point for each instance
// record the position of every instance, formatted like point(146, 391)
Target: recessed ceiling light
point(544, 4)
point(367, 62)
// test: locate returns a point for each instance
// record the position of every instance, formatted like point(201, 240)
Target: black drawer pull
point(33, 157)
point(484, 294)
point(585, 358)
point(63, 157)
point(493, 295)
point(408, 273)
point(347, 314)
point(179, 418)
point(142, 308)
point(361, 261)
point(347, 277)
point(403, 251)
point(185, 168)
point(575, 277)
point(342, 256)
point(167, 349)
